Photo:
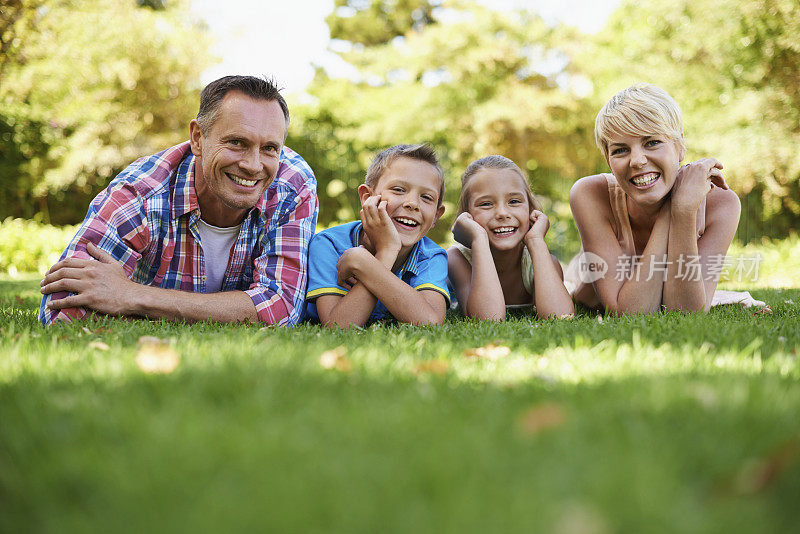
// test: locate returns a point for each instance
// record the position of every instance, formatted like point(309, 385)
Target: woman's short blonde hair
point(492, 162)
point(641, 109)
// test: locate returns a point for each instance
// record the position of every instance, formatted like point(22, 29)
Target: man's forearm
point(175, 305)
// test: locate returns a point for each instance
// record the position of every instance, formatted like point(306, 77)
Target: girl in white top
point(502, 259)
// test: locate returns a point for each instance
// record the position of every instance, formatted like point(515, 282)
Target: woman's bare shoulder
point(722, 204)
point(590, 192)
point(595, 183)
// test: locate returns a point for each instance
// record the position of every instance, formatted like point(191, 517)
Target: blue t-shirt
point(425, 268)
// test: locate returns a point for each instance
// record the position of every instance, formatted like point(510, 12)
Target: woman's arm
point(690, 283)
point(641, 292)
point(686, 289)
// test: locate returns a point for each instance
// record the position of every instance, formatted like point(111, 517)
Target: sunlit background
point(285, 39)
point(87, 86)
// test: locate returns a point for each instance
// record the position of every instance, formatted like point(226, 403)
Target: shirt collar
point(184, 197)
point(411, 264)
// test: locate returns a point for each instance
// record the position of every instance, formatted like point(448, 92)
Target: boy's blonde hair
point(492, 162)
point(384, 158)
point(641, 109)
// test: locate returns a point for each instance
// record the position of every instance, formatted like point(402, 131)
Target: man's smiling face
point(237, 158)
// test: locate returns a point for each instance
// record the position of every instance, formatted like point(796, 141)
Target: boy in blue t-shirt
point(384, 266)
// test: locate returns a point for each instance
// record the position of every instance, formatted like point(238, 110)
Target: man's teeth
point(242, 181)
point(645, 179)
point(504, 230)
point(409, 222)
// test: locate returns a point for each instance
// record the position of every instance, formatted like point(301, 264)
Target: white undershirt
point(216, 243)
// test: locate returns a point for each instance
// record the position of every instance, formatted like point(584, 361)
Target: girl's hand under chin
point(466, 230)
point(540, 224)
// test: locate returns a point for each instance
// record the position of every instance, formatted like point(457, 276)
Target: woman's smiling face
point(645, 166)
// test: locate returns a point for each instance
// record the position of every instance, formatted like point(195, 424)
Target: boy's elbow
point(430, 319)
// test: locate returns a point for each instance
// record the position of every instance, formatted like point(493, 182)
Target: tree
point(80, 98)
point(471, 82)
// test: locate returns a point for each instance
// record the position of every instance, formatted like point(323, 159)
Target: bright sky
point(284, 38)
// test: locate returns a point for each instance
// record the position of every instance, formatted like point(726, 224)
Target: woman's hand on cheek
point(693, 182)
point(540, 224)
point(466, 230)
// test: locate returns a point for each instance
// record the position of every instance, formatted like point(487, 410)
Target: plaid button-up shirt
point(147, 220)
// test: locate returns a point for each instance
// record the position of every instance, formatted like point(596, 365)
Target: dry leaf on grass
point(434, 367)
point(99, 345)
point(541, 417)
point(156, 356)
point(335, 359)
point(757, 474)
point(763, 310)
point(491, 352)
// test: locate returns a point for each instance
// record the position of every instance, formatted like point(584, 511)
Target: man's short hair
point(384, 158)
point(259, 88)
point(641, 109)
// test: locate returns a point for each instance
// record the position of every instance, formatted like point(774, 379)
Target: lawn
point(670, 423)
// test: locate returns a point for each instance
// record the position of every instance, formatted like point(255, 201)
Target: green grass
point(671, 423)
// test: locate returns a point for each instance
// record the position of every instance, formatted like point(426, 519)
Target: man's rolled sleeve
point(280, 272)
point(116, 223)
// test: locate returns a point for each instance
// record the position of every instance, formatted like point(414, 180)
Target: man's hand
point(693, 182)
point(466, 230)
point(540, 224)
point(379, 228)
point(349, 263)
point(100, 285)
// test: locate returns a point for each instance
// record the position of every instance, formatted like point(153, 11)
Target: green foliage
point(638, 424)
point(734, 67)
point(473, 81)
point(87, 87)
point(479, 83)
point(31, 247)
point(375, 22)
point(778, 262)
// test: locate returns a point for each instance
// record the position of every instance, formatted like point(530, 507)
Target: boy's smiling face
point(410, 188)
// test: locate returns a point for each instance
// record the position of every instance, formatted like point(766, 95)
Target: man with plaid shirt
point(214, 228)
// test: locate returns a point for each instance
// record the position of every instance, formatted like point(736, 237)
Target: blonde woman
point(653, 231)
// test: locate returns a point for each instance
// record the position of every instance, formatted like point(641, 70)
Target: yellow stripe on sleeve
point(325, 291)
point(435, 288)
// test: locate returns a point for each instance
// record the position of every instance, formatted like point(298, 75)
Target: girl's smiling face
point(498, 201)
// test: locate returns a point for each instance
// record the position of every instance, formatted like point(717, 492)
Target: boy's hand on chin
point(466, 230)
point(378, 226)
